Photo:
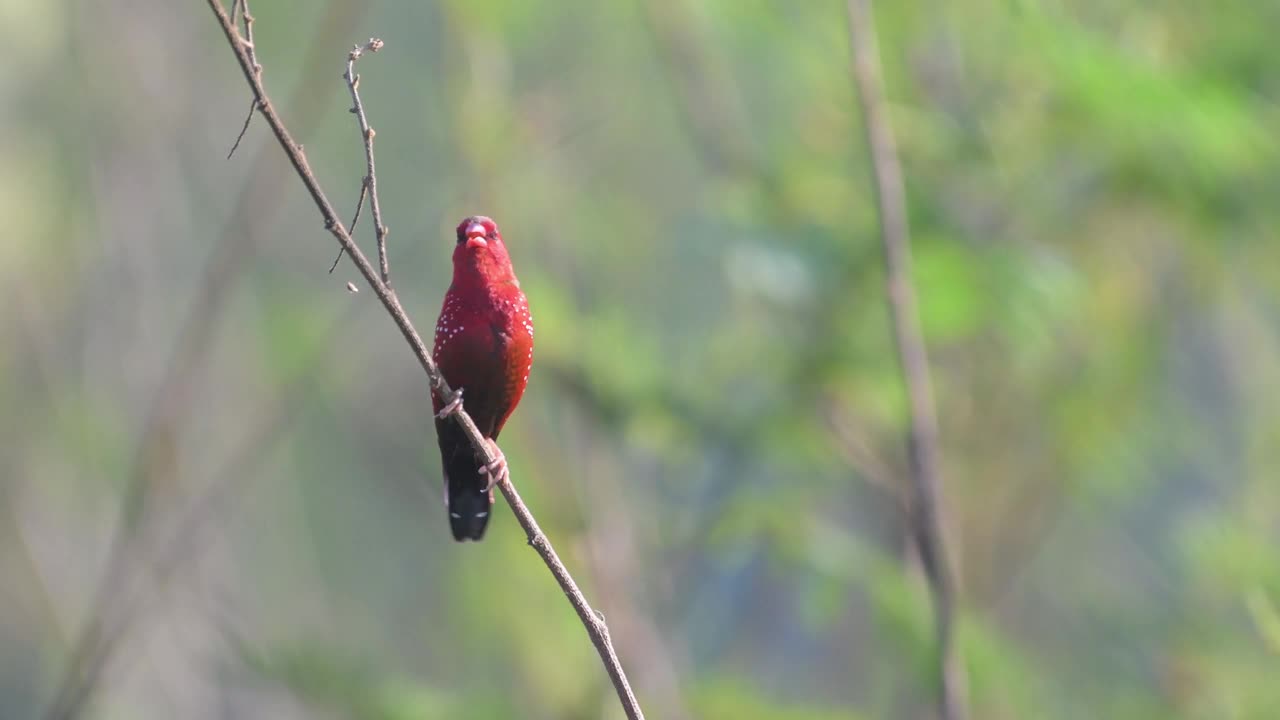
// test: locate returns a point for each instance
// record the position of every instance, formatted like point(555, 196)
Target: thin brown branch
point(366, 136)
point(355, 218)
point(241, 7)
point(592, 621)
point(926, 516)
point(253, 104)
point(247, 40)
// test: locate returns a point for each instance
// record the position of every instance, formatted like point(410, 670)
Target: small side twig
point(592, 622)
point(247, 40)
point(241, 7)
point(253, 105)
point(364, 190)
point(366, 136)
point(925, 518)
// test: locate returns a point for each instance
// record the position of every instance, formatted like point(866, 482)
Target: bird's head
point(480, 256)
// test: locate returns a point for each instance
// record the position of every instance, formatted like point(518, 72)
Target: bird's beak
point(475, 236)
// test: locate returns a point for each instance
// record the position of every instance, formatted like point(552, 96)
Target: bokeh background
point(223, 461)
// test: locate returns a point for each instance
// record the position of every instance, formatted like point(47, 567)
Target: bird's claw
point(497, 470)
point(452, 406)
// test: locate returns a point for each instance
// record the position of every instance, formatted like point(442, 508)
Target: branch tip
point(253, 105)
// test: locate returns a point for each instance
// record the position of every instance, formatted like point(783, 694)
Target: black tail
point(469, 504)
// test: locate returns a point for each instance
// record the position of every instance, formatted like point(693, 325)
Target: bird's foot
point(496, 470)
point(452, 406)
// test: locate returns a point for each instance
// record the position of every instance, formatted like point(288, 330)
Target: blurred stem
point(107, 617)
point(592, 621)
point(186, 536)
point(925, 518)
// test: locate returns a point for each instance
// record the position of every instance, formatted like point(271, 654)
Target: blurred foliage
point(713, 435)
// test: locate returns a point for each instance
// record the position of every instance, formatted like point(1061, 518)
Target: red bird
point(484, 347)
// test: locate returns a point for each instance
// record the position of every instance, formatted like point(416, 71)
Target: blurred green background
point(713, 432)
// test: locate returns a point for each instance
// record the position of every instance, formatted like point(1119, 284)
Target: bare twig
point(366, 135)
point(236, 7)
point(355, 218)
point(592, 621)
point(926, 515)
point(253, 104)
point(247, 39)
